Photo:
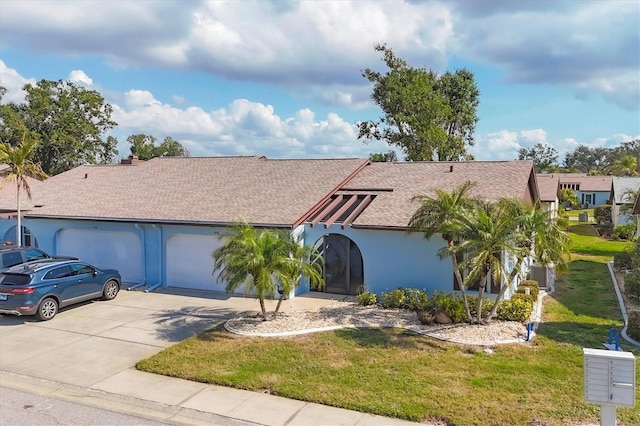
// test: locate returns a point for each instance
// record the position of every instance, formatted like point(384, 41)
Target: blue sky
point(283, 78)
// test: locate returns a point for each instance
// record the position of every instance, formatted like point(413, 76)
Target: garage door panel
point(190, 262)
point(121, 250)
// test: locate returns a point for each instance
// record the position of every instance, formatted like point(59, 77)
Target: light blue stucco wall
point(600, 197)
point(393, 259)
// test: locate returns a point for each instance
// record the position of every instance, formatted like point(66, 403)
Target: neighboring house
point(158, 222)
point(590, 190)
point(622, 200)
point(548, 187)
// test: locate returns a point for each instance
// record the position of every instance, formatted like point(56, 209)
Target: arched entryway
point(28, 239)
point(343, 270)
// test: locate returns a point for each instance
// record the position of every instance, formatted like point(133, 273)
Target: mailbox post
point(609, 380)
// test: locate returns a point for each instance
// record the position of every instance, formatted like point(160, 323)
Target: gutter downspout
point(144, 268)
point(160, 257)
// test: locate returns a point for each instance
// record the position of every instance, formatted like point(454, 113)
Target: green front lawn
point(395, 373)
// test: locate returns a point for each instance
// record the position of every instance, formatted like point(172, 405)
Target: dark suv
point(15, 255)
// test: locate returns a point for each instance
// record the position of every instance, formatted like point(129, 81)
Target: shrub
point(366, 298)
point(514, 310)
point(534, 288)
point(622, 261)
point(632, 284)
point(415, 300)
point(602, 214)
point(521, 296)
point(450, 304)
point(624, 232)
point(393, 300)
point(633, 327)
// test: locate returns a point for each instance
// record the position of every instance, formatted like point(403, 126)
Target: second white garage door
point(190, 262)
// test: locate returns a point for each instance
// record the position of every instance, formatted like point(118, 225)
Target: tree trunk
point(264, 310)
point(511, 277)
point(483, 284)
point(19, 227)
point(279, 302)
point(456, 273)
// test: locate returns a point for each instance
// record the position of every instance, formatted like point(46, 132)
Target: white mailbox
point(609, 377)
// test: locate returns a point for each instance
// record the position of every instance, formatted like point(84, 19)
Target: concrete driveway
point(88, 343)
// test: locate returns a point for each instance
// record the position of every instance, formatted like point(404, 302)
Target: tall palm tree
point(441, 215)
point(536, 234)
point(20, 168)
point(261, 261)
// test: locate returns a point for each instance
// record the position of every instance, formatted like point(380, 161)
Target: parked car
point(15, 255)
point(42, 287)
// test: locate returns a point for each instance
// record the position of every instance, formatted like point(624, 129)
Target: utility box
point(609, 377)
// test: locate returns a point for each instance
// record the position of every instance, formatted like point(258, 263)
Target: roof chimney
point(132, 159)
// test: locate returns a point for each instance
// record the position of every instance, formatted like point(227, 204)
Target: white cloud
point(79, 76)
point(11, 80)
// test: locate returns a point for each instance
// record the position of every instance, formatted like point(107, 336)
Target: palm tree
point(487, 236)
point(441, 215)
point(20, 168)
point(537, 234)
point(262, 261)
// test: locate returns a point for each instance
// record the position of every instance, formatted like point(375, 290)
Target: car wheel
point(47, 309)
point(111, 289)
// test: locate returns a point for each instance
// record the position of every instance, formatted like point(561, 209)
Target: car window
point(81, 268)
point(60, 272)
point(34, 254)
point(11, 258)
point(14, 279)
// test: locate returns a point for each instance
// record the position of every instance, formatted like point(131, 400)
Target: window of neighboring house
point(588, 199)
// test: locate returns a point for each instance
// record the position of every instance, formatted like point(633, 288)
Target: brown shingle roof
point(195, 190)
point(494, 179)
point(8, 192)
point(586, 182)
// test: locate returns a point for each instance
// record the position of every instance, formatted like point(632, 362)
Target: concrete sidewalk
point(87, 354)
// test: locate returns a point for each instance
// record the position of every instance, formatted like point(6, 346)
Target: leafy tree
point(441, 214)
point(429, 117)
point(21, 167)
point(383, 157)
point(596, 161)
point(543, 156)
point(568, 196)
point(263, 261)
point(69, 121)
point(626, 165)
point(144, 146)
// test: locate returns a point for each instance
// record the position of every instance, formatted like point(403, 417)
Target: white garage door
point(190, 262)
point(120, 250)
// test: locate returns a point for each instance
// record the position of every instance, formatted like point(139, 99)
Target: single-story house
point(548, 187)
point(590, 190)
point(159, 221)
point(623, 191)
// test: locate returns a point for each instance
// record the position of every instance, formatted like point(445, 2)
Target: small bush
point(415, 300)
point(366, 298)
point(450, 304)
point(534, 288)
point(393, 300)
point(514, 310)
point(633, 327)
point(622, 261)
point(602, 214)
point(624, 232)
point(521, 296)
point(632, 284)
